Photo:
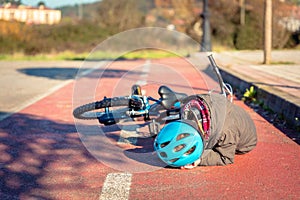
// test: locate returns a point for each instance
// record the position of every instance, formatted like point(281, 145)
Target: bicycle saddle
point(169, 97)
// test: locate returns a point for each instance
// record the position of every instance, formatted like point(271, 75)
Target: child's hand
point(191, 166)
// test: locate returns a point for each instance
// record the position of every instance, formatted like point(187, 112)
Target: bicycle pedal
point(154, 128)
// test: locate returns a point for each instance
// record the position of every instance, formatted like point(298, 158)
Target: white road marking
point(144, 76)
point(116, 186)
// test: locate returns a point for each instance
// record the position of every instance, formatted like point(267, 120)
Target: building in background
point(30, 15)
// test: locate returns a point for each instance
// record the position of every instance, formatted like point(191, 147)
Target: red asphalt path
point(42, 157)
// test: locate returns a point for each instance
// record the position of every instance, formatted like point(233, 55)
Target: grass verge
point(69, 55)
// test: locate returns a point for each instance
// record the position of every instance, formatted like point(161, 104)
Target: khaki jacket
point(232, 131)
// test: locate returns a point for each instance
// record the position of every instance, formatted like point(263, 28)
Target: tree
point(225, 19)
point(242, 12)
point(120, 14)
point(14, 2)
point(184, 10)
point(227, 29)
point(295, 1)
point(41, 3)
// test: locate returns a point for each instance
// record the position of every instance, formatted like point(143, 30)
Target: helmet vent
point(164, 144)
point(179, 147)
point(163, 154)
point(173, 160)
point(182, 135)
point(190, 151)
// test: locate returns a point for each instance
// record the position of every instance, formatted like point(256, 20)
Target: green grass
point(282, 63)
point(217, 47)
point(149, 54)
point(67, 55)
point(140, 54)
point(99, 55)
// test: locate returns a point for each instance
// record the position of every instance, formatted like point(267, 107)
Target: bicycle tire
point(80, 111)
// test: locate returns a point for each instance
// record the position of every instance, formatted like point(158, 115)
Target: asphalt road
point(25, 82)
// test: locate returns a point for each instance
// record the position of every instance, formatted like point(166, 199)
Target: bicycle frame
point(166, 108)
point(109, 117)
point(226, 89)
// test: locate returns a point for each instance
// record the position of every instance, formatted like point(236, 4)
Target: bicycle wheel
point(99, 110)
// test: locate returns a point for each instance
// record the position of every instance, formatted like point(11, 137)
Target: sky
point(56, 3)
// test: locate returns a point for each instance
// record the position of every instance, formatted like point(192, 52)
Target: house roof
point(13, 6)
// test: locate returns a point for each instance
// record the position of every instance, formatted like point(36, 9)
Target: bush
point(225, 19)
point(248, 37)
point(34, 39)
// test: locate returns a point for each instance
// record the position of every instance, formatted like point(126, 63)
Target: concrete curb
point(289, 110)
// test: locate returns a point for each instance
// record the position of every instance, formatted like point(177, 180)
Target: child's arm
point(223, 153)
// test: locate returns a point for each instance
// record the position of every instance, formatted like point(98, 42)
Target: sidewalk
point(277, 85)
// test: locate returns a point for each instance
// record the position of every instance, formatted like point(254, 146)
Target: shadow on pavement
point(71, 73)
point(37, 157)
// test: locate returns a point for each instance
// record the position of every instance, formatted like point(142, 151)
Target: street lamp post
point(267, 32)
point(206, 42)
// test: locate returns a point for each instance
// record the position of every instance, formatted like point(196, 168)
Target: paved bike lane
point(42, 157)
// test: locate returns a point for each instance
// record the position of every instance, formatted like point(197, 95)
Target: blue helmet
point(179, 143)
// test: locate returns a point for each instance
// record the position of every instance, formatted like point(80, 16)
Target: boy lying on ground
point(211, 131)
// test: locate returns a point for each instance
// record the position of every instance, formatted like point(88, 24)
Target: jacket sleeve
point(223, 152)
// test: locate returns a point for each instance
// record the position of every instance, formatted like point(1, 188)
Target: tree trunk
point(267, 31)
point(242, 12)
